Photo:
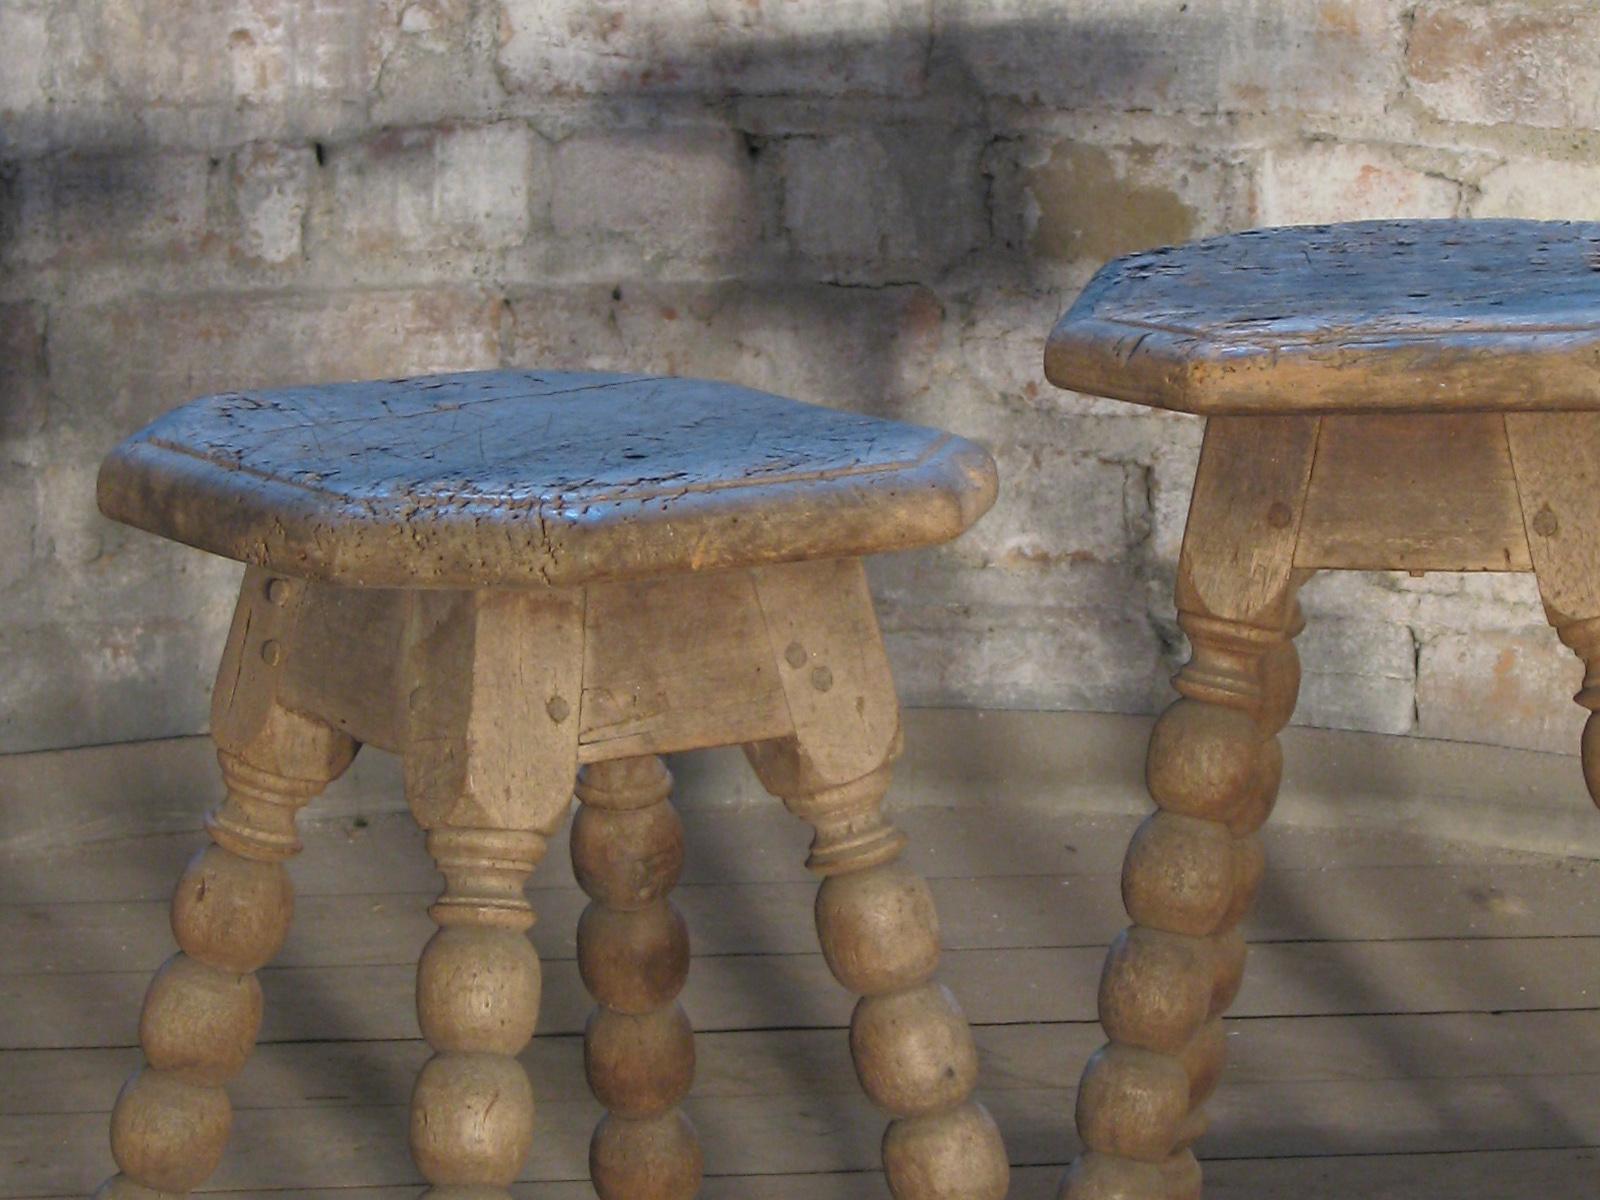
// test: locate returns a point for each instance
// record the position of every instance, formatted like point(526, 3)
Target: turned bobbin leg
point(477, 1003)
point(633, 953)
point(491, 680)
point(1190, 876)
point(231, 909)
point(912, 1048)
point(1194, 866)
point(909, 1039)
point(230, 914)
point(1278, 678)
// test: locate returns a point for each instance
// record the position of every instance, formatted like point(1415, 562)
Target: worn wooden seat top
point(1399, 316)
point(522, 478)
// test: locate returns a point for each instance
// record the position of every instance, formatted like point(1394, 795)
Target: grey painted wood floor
point(1421, 1019)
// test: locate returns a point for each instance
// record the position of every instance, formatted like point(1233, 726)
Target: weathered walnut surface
point(522, 478)
point(1372, 315)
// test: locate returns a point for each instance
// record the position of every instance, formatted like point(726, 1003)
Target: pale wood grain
point(1414, 493)
point(823, 642)
point(491, 685)
point(1557, 457)
point(677, 663)
point(1244, 518)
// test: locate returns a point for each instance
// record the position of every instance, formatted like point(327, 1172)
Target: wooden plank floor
point(1420, 1019)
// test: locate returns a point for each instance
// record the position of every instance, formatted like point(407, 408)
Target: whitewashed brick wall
point(877, 204)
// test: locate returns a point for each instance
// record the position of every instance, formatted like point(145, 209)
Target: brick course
point(1508, 62)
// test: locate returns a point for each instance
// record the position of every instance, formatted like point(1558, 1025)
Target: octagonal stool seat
point(1406, 395)
point(517, 580)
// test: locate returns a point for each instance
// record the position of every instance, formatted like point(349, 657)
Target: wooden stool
point(500, 577)
point(1408, 395)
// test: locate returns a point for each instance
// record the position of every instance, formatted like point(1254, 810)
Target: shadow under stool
point(1386, 395)
point(513, 580)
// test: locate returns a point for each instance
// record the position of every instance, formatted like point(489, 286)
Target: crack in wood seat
point(1396, 395)
point(511, 478)
point(1369, 316)
point(528, 584)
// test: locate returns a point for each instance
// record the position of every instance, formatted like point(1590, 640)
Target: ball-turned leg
point(490, 759)
point(230, 914)
point(1190, 876)
point(478, 986)
point(909, 1039)
point(633, 952)
point(912, 1048)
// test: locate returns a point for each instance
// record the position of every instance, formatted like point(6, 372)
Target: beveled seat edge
point(1534, 370)
point(327, 538)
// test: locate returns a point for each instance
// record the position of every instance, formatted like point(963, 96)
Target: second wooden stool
point(1408, 395)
